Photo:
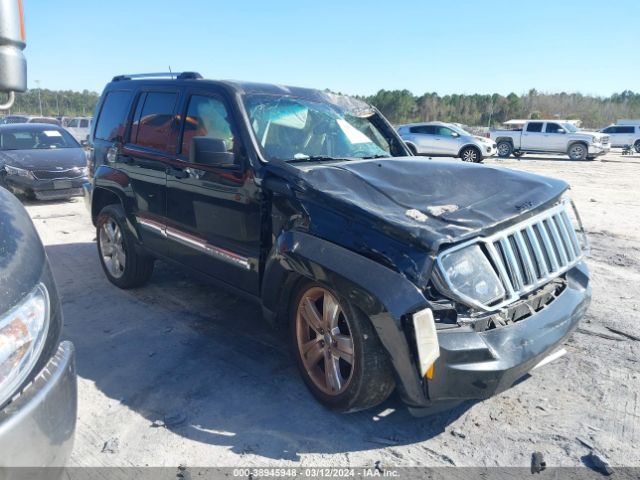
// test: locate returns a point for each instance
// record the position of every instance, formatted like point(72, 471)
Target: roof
point(418, 124)
point(22, 127)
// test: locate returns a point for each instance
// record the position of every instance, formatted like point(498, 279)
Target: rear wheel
point(122, 264)
point(577, 151)
point(338, 352)
point(471, 154)
point(504, 149)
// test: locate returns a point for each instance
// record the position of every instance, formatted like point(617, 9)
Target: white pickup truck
point(550, 136)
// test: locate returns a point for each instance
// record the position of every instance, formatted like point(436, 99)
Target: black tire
point(371, 381)
point(412, 149)
point(591, 158)
point(637, 146)
point(518, 154)
point(471, 154)
point(137, 268)
point(577, 151)
point(504, 149)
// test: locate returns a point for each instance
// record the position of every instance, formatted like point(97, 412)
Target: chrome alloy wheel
point(577, 152)
point(470, 155)
point(112, 248)
point(324, 341)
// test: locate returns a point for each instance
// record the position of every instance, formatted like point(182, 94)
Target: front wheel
point(577, 151)
point(122, 264)
point(337, 350)
point(504, 149)
point(471, 154)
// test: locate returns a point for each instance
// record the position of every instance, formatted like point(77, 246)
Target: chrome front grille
point(530, 254)
point(605, 139)
point(57, 174)
point(533, 252)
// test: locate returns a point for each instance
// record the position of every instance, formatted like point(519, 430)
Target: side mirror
point(210, 151)
point(561, 130)
point(455, 135)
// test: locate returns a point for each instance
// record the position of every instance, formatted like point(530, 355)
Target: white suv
point(80, 127)
point(622, 134)
point(438, 139)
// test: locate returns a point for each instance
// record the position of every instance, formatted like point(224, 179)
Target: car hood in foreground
point(431, 202)
point(45, 159)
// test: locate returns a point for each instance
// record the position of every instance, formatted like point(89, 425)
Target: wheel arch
point(574, 142)
point(472, 145)
point(504, 139)
point(298, 255)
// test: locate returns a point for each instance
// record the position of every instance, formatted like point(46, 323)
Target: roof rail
point(171, 75)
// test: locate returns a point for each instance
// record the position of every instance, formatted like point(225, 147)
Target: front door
point(555, 136)
point(213, 212)
point(449, 140)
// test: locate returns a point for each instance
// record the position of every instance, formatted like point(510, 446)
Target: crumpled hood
point(434, 202)
point(45, 159)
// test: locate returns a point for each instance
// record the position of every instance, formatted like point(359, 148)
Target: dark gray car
point(41, 161)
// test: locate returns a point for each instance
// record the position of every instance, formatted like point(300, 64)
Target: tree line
point(402, 106)
point(55, 103)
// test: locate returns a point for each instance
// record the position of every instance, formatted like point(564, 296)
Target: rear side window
point(553, 128)
point(624, 130)
point(423, 129)
point(534, 127)
point(154, 120)
point(113, 116)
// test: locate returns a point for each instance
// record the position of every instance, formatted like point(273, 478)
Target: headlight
point(595, 140)
point(21, 172)
point(23, 331)
point(470, 276)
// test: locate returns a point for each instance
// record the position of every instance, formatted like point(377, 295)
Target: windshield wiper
point(374, 156)
point(316, 158)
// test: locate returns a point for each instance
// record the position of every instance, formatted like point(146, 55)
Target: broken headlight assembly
point(23, 331)
point(467, 275)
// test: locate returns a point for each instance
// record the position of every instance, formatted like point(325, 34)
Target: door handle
point(177, 172)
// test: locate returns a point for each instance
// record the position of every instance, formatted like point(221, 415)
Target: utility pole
point(39, 97)
point(57, 104)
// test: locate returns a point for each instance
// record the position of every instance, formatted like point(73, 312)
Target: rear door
point(426, 139)
point(150, 146)
point(213, 212)
point(533, 137)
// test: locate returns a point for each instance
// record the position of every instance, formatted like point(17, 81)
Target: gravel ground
point(179, 373)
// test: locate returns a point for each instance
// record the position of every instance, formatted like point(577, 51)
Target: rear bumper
point(46, 189)
point(37, 428)
point(476, 365)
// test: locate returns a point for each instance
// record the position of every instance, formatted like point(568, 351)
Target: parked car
point(550, 136)
point(38, 392)
point(79, 127)
point(438, 139)
point(43, 161)
point(625, 132)
point(448, 281)
point(10, 119)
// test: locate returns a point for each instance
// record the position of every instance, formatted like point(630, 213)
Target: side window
point(73, 123)
point(153, 121)
point(608, 130)
point(625, 129)
point(553, 128)
point(423, 129)
point(113, 115)
point(207, 117)
point(84, 123)
point(534, 127)
point(444, 132)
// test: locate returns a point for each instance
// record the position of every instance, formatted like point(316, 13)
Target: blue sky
point(357, 47)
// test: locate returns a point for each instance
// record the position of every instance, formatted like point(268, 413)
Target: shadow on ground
point(203, 360)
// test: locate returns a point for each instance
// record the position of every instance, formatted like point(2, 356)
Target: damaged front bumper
point(476, 365)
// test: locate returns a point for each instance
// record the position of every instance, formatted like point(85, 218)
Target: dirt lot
point(202, 361)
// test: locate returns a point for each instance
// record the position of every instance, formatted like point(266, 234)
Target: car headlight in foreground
point(21, 172)
point(23, 331)
point(470, 276)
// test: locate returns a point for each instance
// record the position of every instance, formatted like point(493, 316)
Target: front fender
point(384, 295)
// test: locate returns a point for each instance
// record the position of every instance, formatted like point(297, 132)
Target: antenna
point(170, 72)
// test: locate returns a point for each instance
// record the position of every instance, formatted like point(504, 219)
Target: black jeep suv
point(448, 281)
